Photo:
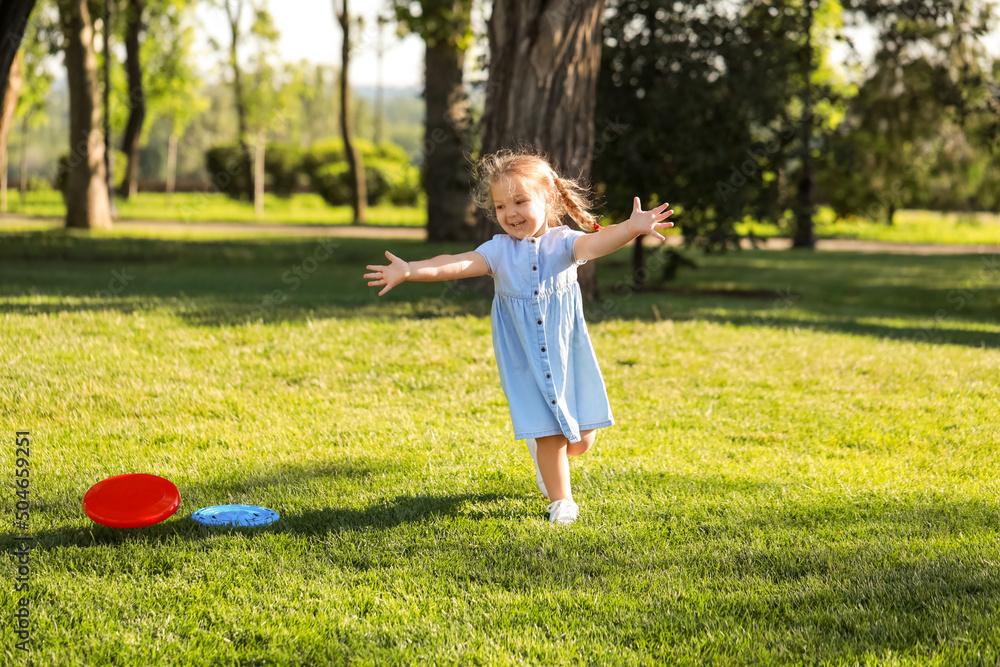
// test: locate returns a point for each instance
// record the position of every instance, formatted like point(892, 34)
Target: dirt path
point(419, 233)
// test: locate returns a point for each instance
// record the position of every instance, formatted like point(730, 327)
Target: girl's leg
point(586, 442)
point(553, 462)
point(554, 466)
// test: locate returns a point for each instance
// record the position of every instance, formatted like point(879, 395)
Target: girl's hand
point(390, 276)
point(647, 222)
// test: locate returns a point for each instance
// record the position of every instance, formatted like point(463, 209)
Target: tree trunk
point(23, 172)
point(241, 107)
point(355, 164)
point(450, 211)
point(109, 156)
point(13, 92)
point(258, 175)
point(87, 203)
point(171, 163)
point(13, 22)
point(136, 98)
point(544, 61)
point(805, 236)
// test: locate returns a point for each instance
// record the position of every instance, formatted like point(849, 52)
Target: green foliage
point(283, 167)
point(725, 86)
point(915, 134)
point(436, 21)
point(389, 176)
point(225, 168)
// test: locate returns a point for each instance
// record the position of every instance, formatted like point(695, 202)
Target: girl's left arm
point(613, 237)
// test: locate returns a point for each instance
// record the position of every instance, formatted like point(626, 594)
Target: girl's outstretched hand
point(647, 222)
point(391, 275)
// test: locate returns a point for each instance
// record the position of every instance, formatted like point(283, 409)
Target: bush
point(283, 166)
point(389, 176)
point(225, 168)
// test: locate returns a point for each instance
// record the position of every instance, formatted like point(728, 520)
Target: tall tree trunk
point(805, 236)
point(23, 171)
point(13, 22)
point(544, 61)
point(109, 155)
point(355, 164)
point(171, 163)
point(87, 203)
point(258, 174)
point(450, 212)
point(241, 107)
point(14, 82)
point(136, 99)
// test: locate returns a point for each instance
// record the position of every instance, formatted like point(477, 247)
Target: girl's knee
point(586, 442)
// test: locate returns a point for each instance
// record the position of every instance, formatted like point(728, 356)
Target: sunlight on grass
point(213, 207)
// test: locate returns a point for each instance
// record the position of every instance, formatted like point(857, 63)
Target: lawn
point(804, 468)
point(202, 207)
point(910, 226)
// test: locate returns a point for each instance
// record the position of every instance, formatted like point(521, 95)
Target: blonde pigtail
point(574, 201)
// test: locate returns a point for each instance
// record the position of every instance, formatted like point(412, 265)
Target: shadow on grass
point(235, 283)
point(384, 515)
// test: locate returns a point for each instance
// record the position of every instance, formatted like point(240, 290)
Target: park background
point(804, 469)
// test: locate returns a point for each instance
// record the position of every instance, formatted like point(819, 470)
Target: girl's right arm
point(443, 267)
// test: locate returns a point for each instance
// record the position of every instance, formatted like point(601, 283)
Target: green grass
point(203, 207)
point(804, 468)
point(908, 227)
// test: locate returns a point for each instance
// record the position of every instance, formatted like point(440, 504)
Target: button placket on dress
point(550, 387)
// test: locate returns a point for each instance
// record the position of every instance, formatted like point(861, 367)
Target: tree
point(356, 168)
point(170, 85)
point(13, 22)
point(15, 81)
point(927, 73)
point(446, 28)
point(87, 202)
point(234, 14)
point(544, 61)
point(136, 97)
point(35, 49)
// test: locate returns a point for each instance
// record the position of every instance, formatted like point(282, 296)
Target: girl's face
point(520, 211)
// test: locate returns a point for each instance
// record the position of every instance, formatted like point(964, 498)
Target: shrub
point(389, 176)
point(283, 166)
point(225, 168)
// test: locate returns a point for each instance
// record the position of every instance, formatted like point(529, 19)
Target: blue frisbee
point(234, 515)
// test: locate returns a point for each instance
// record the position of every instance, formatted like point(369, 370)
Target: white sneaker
point(533, 450)
point(563, 511)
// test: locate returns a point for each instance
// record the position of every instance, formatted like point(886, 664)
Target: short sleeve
point(491, 253)
point(569, 248)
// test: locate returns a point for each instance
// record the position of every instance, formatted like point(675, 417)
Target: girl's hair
point(569, 198)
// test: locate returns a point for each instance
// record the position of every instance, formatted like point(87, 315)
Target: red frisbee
point(131, 501)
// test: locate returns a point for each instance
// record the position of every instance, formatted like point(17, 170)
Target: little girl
point(547, 365)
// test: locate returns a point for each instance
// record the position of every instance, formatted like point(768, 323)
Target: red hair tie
point(597, 226)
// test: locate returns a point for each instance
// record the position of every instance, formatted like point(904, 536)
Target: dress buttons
point(543, 349)
point(536, 292)
point(539, 321)
point(553, 402)
point(532, 240)
point(548, 376)
point(534, 268)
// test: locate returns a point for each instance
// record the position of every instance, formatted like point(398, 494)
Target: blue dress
point(548, 368)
